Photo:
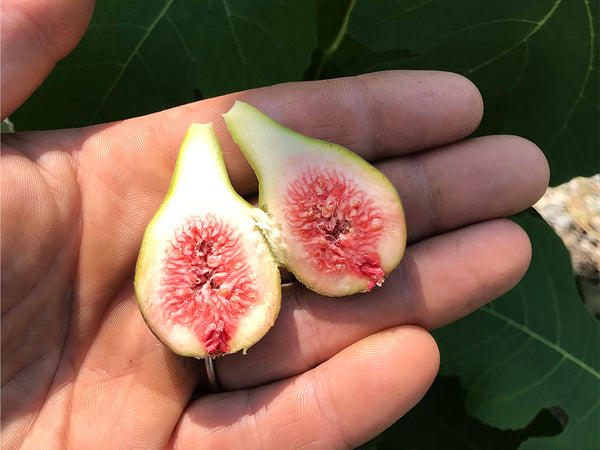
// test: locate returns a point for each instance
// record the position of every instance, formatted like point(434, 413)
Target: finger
point(36, 34)
point(467, 182)
point(341, 403)
point(438, 281)
point(376, 115)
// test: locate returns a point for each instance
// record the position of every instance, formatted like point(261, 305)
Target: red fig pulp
point(337, 223)
point(206, 275)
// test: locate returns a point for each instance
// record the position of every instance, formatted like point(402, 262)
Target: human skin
point(80, 367)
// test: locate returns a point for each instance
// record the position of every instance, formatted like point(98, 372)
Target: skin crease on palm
point(79, 366)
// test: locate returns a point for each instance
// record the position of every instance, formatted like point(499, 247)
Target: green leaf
point(140, 57)
point(536, 347)
point(535, 62)
point(440, 421)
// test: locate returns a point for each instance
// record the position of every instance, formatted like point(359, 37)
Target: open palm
point(79, 365)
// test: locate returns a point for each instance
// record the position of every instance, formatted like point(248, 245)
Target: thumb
point(35, 35)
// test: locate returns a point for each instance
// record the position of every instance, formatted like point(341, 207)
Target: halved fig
point(206, 281)
point(337, 222)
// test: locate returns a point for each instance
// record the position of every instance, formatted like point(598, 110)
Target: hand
point(79, 365)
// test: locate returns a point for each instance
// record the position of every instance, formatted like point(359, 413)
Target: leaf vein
point(234, 35)
point(180, 37)
point(509, 356)
point(117, 25)
point(585, 78)
point(487, 23)
point(541, 339)
point(341, 34)
point(525, 38)
point(153, 79)
point(129, 59)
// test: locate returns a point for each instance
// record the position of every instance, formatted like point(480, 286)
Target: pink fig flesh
point(206, 276)
point(337, 223)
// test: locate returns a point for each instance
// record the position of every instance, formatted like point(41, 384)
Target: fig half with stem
point(207, 278)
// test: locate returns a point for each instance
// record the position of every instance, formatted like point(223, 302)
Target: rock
point(573, 211)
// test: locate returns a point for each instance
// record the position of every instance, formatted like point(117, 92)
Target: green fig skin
point(201, 192)
point(373, 240)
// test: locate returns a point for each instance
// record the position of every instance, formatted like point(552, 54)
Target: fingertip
point(431, 348)
point(403, 353)
point(413, 346)
point(420, 359)
point(35, 36)
point(463, 101)
point(466, 93)
point(530, 168)
point(522, 248)
point(394, 369)
point(419, 109)
point(538, 166)
point(455, 273)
